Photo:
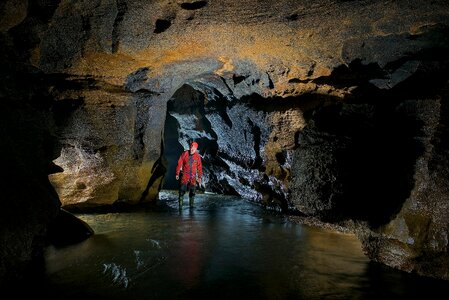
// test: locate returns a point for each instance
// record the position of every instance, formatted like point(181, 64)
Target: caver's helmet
point(194, 145)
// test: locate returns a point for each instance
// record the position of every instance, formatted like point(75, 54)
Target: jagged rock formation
point(336, 109)
point(247, 143)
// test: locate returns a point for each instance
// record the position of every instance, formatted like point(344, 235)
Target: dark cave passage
point(172, 150)
point(186, 122)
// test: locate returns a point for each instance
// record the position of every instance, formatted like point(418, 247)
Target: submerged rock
point(67, 229)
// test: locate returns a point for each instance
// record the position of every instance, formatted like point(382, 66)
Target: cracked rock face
point(335, 109)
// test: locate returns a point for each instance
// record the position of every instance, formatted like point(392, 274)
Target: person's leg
point(191, 194)
point(182, 191)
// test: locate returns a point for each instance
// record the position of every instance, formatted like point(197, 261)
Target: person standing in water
point(189, 163)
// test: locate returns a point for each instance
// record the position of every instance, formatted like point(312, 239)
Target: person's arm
point(200, 169)
point(179, 166)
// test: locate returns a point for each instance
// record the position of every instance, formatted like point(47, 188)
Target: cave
point(332, 113)
point(186, 122)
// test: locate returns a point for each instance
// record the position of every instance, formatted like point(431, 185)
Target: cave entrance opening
point(186, 122)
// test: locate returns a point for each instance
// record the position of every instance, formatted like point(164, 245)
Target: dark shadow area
point(157, 172)
point(66, 229)
point(24, 34)
point(27, 148)
point(384, 282)
point(193, 5)
point(354, 74)
point(372, 150)
point(171, 153)
point(122, 9)
point(369, 145)
point(161, 25)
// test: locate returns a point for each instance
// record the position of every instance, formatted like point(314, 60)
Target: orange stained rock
point(261, 44)
point(119, 65)
point(227, 66)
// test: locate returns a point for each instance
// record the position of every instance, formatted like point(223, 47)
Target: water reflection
point(224, 247)
point(188, 258)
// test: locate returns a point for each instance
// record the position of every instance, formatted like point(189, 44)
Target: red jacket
point(191, 167)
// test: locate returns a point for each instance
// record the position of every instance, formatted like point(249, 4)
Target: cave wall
point(108, 151)
point(28, 144)
point(278, 54)
point(374, 163)
point(364, 81)
point(28, 203)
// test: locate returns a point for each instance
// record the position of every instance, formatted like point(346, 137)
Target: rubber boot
point(180, 201)
point(191, 201)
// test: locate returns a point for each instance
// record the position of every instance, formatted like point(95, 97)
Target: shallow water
point(223, 248)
